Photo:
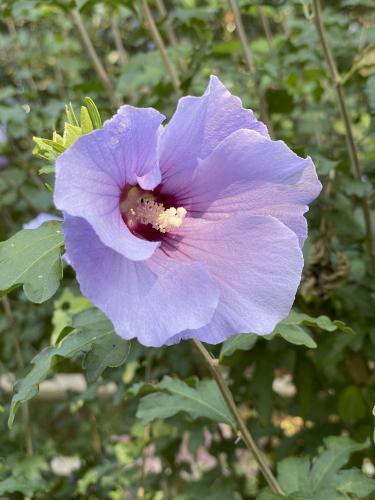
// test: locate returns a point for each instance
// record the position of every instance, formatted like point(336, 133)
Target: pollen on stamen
point(164, 220)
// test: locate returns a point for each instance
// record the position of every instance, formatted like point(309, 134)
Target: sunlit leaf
point(32, 258)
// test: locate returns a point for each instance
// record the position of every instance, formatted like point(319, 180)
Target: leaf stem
point(263, 111)
point(212, 365)
point(155, 35)
point(21, 366)
point(350, 143)
point(91, 52)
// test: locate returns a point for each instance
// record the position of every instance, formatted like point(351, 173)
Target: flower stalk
point(350, 143)
point(212, 366)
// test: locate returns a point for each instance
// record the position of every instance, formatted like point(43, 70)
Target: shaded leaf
point(279, 101)
point(322, 480)
point(331, 460)
point(110, 352)
point(91, 327)
point(354, 482)
point(242, 342)
point(351, 406)
point(293, 474)
point(204, 400)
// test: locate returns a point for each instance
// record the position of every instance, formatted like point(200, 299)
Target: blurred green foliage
point(139, 429)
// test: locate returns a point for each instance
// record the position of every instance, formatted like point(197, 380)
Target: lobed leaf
point(174, 396)
point(324, 479)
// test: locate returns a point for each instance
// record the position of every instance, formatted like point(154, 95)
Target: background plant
point(128, 424)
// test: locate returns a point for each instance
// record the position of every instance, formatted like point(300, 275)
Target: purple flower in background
point(193, 230)
point(39, 220)
point(3, 161)
point(3, 140)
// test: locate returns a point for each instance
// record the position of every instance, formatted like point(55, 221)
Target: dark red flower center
point(150, 214)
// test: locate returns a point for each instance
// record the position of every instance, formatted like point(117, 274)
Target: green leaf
point(354, 482)
point(290, 329)
point(32, 258)
point(86, 123)
point(56, 146)
point(47, 149)
point(351, 406)
point(94, 113)
point(66, 308)
point(295, 335)
point(20, 485)
point(241, 342)
point(71, 134)
point(110, 352)
point(331, 460)
point(204, 400)
point(293, 474)
point(323, 479)
point(72, 119)
point(268, 495)
point(91, 327)
point(279, 101)
point(57, 138)
point(46, 170)
point(322, 322)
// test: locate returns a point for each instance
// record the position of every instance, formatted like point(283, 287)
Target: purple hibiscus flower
point(193, 230)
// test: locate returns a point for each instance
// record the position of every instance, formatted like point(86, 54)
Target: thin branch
point(171, 35)
point(21, 365)
point(212, 365)
point(97, 65)
point(263, 111)
point(168, 27)
point(146, 434)
point(266, 28)
point(151, 26)
point(118, 41)
point(350, 144)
